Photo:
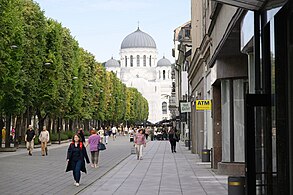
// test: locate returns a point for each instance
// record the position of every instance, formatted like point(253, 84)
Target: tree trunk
point(24, 125)
point(66, 124)
point(49, 124)
point(1, 126)
point(71, 125)
point(8, 126)
point(59, 121)
point(17, 130)
point(41, 120)
point(86, 124)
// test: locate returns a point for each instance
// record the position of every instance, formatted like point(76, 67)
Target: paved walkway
point(28, 175)
point(160, 172)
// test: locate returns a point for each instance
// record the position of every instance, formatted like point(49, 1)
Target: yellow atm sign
point(203, 104)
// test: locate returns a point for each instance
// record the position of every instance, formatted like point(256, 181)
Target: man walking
point(114, 132)
point(29, 138)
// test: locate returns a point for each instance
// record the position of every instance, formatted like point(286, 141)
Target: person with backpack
point(76, 156)
point(139, 141)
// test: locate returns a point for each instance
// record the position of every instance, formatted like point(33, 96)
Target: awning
point(245, 4)
point(253, 5)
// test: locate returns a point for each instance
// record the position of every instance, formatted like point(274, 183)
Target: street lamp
point(47, 63)
point(13, 46)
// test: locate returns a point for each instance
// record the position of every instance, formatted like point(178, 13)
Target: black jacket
point(83, 156)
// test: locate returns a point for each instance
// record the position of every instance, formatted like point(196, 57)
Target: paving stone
point(161, 172)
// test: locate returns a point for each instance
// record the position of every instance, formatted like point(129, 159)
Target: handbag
point(175, 137)
point(101, 146)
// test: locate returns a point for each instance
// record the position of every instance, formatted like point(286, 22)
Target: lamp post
point(47, 63)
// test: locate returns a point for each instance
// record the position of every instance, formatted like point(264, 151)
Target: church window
point(131, 61)
point(138, 60)
point(168, 74)
point(164, 108)
point(125, 61)
point(164, 74)
point(159, 74)
point(144, 60)
point(150, 60)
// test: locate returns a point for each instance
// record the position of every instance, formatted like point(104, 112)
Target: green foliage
point(50, 75)
point(63, 136)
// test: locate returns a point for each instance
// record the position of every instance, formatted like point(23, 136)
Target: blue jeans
point(76, 170)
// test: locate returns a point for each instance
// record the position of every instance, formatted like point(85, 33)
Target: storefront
point(269, 108)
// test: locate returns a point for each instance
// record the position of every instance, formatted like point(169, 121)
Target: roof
point(138, 39)
point(112, 63)
point(164, 62)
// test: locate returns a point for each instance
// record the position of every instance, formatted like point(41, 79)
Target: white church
point(140, 69)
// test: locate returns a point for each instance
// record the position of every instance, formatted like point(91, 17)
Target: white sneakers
point(76, 184)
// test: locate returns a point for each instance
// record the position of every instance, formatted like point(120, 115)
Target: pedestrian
point(139, 141)
point(106, 136)
point(114, 132)
point(81, 134)
point(101, 133)
point(94, 141)
point(172, 139)
point(3, 134)
point(76, 155)
point(12, 134)
point(29, 138)
point(44, 139)
point(147, 132)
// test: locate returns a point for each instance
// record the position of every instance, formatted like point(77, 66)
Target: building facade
point(242, 60)
point(139, 68)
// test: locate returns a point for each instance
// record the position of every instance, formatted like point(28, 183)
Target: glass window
point(138, 60)
point(125, 61)
point(238, 97)
point(150, 62)
point(159, 74)
point(131, 61)
point(164, 74)
point(168, 74)
point(225, 98)
point(144, 60)
point(164, 108)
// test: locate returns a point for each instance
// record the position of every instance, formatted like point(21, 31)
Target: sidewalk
point(28, 175)
point(161, 172)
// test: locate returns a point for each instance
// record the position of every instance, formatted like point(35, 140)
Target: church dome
point(164, 62)
point(112, 63)
point(138, 39)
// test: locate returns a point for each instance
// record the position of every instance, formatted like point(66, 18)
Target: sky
point(101, 25)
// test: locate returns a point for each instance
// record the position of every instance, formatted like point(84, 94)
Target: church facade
point(138, 67)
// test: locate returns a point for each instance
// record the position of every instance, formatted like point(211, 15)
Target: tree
point(11, 53)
